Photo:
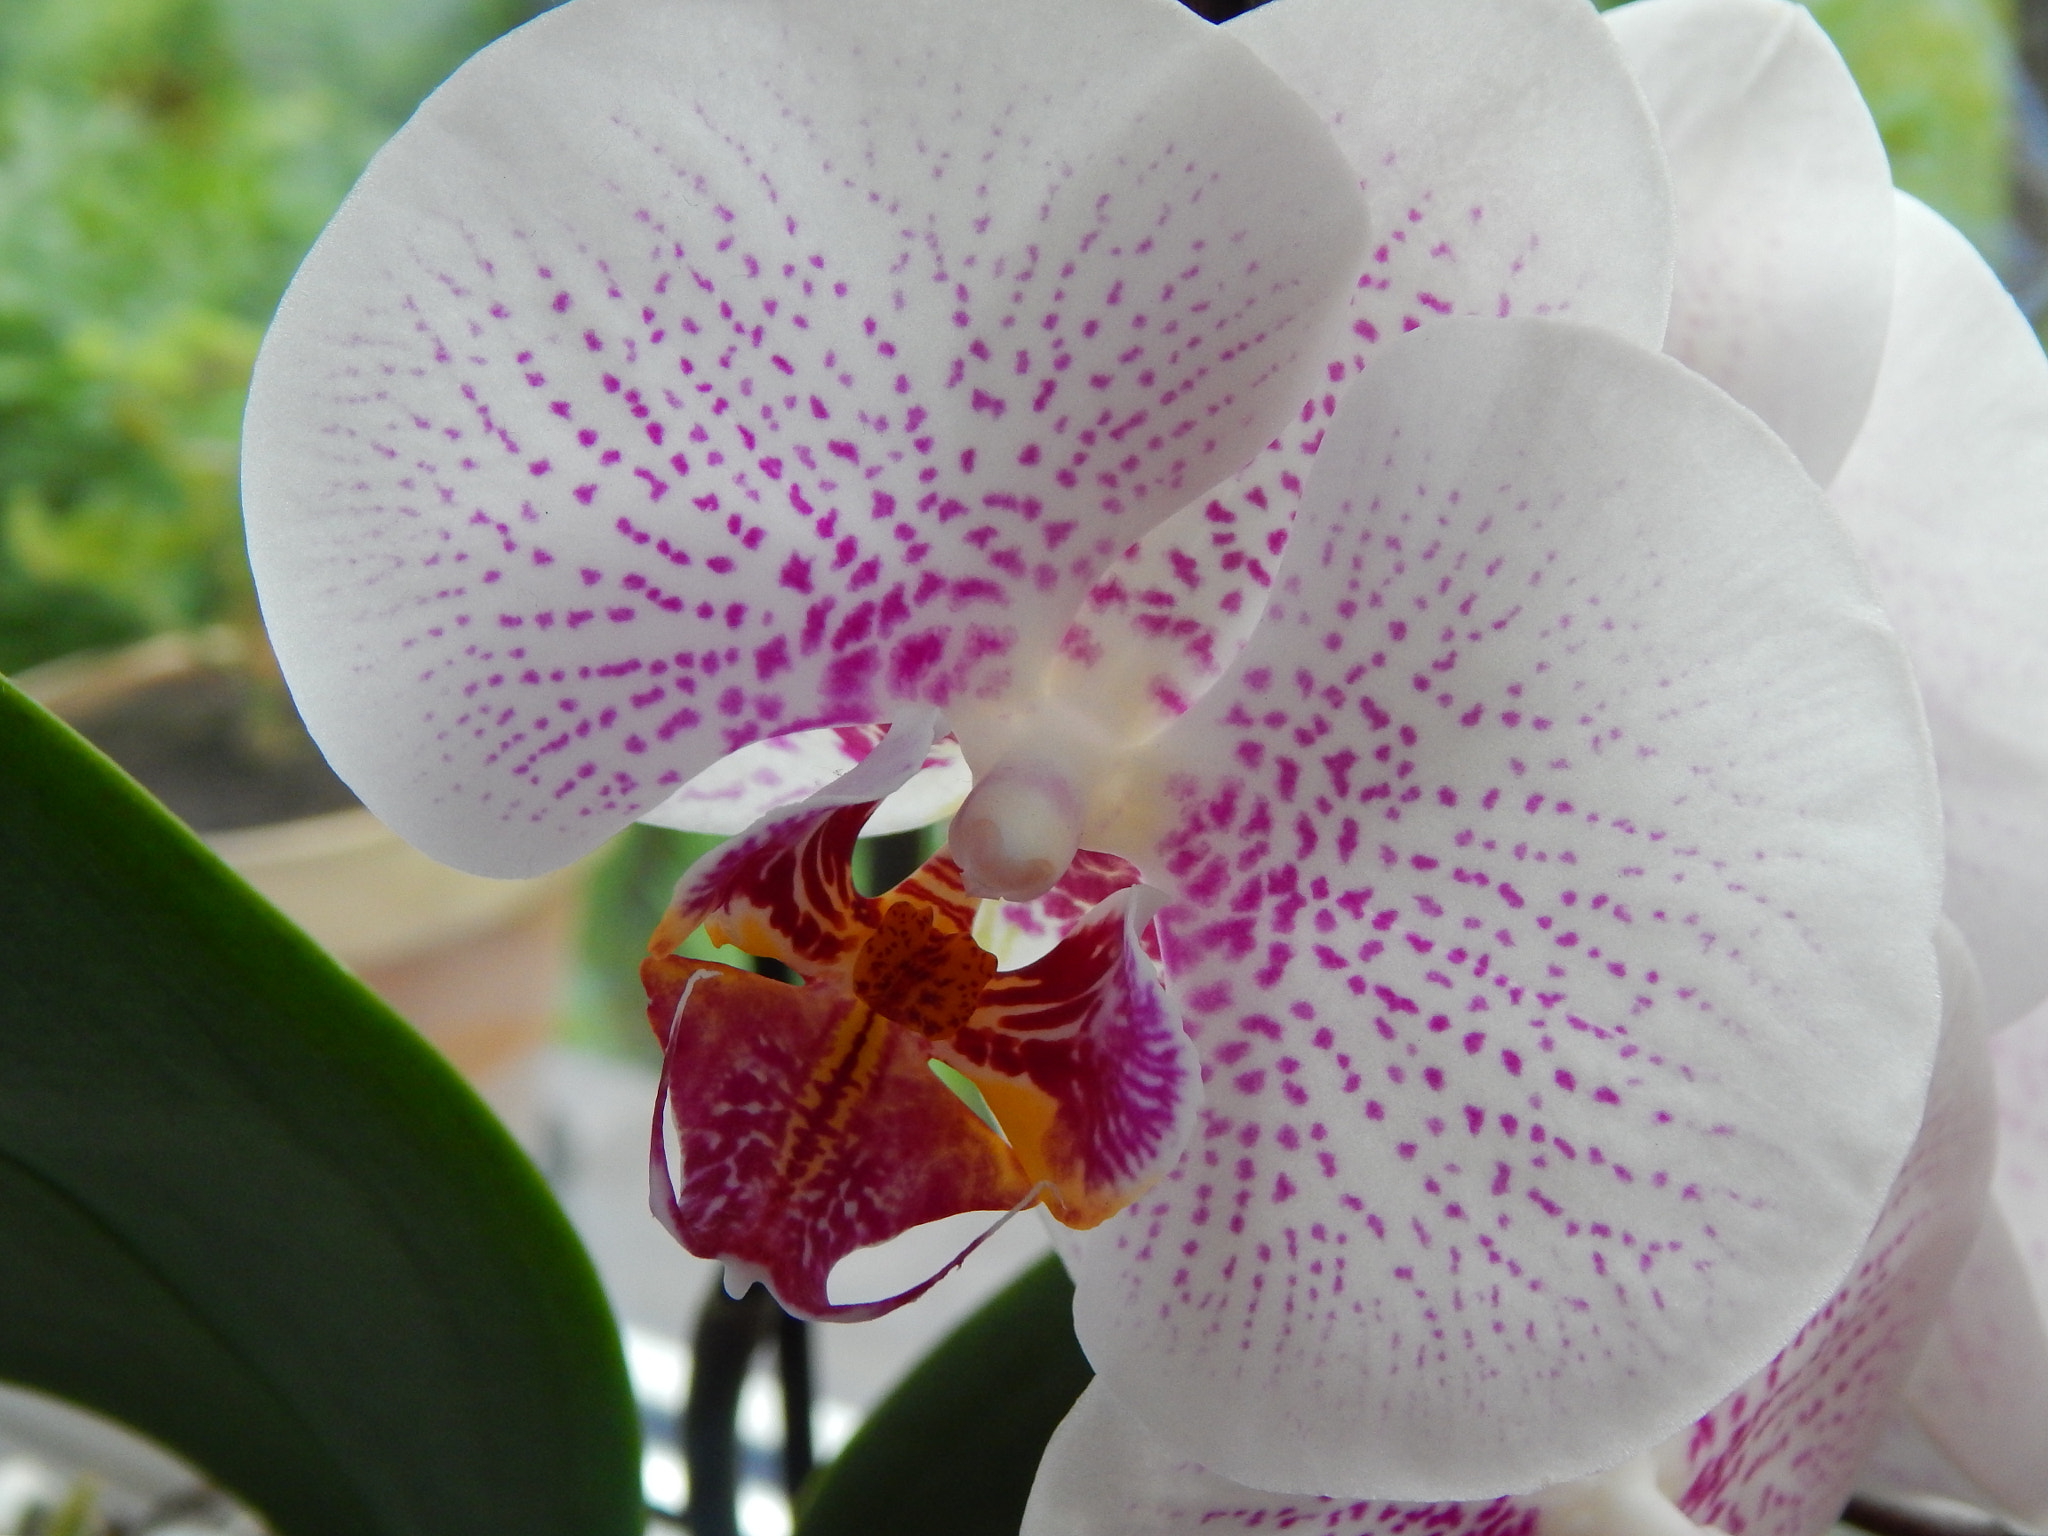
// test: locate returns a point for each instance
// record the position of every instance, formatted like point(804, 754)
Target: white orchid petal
point(1509, 168)
point(1555, 883)
point(1781, 1456)
point(2021, 1184)
point(1778, 1458)
point(1946, 491)
point(1784, 211)
point(1105, 1474)
point(743, 786)
point(1980, 1390)
point(1507, 162)
point(688, 372)
point(1906, 1463)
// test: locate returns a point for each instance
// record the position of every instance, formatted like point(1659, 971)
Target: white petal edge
point(1784, 211)
point(743, 786)
point(1783, 1453)
point(1980, 1390)
point(1106, 1474)
point(1946, 493)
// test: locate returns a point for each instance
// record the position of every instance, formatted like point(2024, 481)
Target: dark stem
point(727, 1333)
point(1889, 1517)
point(793, 1361)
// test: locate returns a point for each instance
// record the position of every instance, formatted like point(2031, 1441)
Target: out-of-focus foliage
point(163, 166)
point(1938, 77)
point(629, 888)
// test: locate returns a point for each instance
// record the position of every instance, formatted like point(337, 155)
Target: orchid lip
point(809, 1121)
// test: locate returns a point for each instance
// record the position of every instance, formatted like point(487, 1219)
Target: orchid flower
point(1910, 386)
point(1541, 855)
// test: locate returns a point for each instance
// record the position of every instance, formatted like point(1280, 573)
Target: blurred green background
point(163, 166)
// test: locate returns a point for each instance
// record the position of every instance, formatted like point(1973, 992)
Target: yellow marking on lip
point(833, 1092)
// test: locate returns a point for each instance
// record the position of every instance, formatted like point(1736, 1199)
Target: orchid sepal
point(686, 373)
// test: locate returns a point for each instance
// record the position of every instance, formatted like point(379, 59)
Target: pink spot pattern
point(1467, 219)
point(1781, 1456)
point(1488, 920)
point(761, 394)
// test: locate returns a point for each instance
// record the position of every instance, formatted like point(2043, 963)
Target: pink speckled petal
point(1510, 169)
point(686, 372)
point(1784, 211)
point(1554, 888)
point(2021, 1182)
point(1781, 1456)
point(1980, 1390)
point(1946, 491)
point(1018, 932)
point(1085, 1063)
point(784, 888)
point(1105, 1474)
point(744, 786)
point(1778, 1458)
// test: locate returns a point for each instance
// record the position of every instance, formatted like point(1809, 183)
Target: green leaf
point(952, 1451)
point(247, 1210)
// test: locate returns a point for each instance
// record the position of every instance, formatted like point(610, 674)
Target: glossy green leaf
point(246, 1210)
point(952, 1451)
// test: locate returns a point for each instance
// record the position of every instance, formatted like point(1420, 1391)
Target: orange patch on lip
point(918, 975)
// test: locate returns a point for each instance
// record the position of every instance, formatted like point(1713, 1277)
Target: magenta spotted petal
point(684, 373)
point(1777, 1458)
point(1552, 890)
point(1784, 195)
point(1509, 168)
point(1781, 1455)
point(777, 771)
point(1980, 1395)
